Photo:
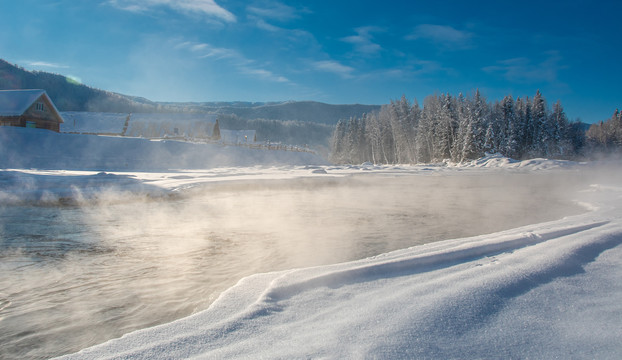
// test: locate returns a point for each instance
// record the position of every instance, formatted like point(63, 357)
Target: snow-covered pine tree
point(480, 119)
point(338, 145)
point(462, 109)
point(560, 144)
point(403, 123)
point(489, 143)
point(616, 128)
point(446, 129)
point(541, 129)
point(373, 135)
point(520, 107)
point(352, 137)
point(469, 148)
point(427, 131)
point(423, 138)
point(387, 142)
point(397, 119)
point(413, 125)
point(509, 144)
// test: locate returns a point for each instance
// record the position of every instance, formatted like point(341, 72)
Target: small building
point(29, 108)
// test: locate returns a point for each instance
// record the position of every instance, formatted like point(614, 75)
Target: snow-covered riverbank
point(548, 290)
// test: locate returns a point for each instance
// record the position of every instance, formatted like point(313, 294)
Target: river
point(75, 275)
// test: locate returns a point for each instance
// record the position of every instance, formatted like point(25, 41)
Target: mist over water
point(75, 276)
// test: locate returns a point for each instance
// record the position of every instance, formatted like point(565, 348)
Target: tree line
point(458, 128)
point(606, 137)
point(300, 133)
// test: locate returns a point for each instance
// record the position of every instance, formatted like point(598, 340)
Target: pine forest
point(460, 128)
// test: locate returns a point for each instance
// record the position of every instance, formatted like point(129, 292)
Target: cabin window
point(39, 106)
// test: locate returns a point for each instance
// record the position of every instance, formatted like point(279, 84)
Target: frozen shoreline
point(544, 290)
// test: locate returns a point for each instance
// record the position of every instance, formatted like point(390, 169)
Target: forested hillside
point(291, 122)
point(69, 95)
point(306, 111)
point(458, 128)
point(294, 132)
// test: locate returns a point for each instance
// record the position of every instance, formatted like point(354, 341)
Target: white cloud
point(334, 67)
point(263, 74)
point(237, 60)
point(442, 35)
point(203, 50)
point(45, 64)
point(262, 24)
point(415, 69)
point(363, 40)
point(274, 10)
point(264, 13)
point(525, 70)
point(202, 7)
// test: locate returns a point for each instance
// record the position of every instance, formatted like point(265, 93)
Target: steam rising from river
point(75, 276)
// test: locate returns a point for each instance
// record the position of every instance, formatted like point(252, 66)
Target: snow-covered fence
point(146, 125)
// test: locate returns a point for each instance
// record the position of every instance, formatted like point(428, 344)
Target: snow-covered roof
point(16, 102)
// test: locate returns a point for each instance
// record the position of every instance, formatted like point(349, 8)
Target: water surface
point(77, 275)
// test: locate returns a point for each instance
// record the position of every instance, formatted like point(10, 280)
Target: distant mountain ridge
point(306, 111)
point(71, 96)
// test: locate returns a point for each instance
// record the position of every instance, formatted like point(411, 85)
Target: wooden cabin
point(29, 108)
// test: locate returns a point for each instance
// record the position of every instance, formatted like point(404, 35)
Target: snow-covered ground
point(549, 290)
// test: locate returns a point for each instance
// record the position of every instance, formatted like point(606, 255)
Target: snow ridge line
point(279, 289)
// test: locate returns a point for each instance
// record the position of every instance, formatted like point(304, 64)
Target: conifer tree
point(509, 145)
point(540, 130)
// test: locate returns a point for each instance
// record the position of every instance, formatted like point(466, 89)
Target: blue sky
point(331, 51)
